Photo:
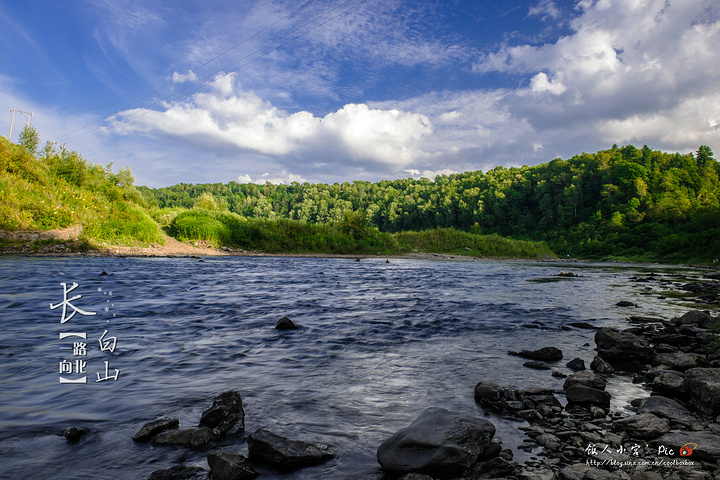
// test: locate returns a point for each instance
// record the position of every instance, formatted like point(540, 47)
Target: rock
point(708, 444)
point(226, 416)
point(680, 361)
point(601, 366)
point(566, 274)
point(537, 365)
point(189, 437)
point(703, 387)
point(268, 447)
point(583, 325)
point(286, 324)
point(549, 441)
point(74, 434)
point(438, 443)
point(644, 319)
point(576, 364)
point(645, 475)
point(229, 466)
point(715, 274)
point(700, 318)
point(545, 353)
point(497, 467)
point(670, 383)
point(622, 346)
point(666, 408)
point(558, 374)
point(586, 379)
point(179, 472)
point(581, 395)
point(644, 425)
point(625, 303)
point(416, 476)
point(149, 430)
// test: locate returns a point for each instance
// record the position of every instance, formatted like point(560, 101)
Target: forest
point(623, 202)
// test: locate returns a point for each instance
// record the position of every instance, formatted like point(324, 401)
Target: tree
point(30, 139)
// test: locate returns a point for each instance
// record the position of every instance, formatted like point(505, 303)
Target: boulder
point(273, 449)
point(439, 443)
point(285, 324)
point(148, 431)
point(226, 416)
point(416, 476)
point(576, 364)
point(708, 443)
point(586, 379)
point(700, 318)
point(665, 407)
point(644, 425)
point(601, 366)
point(586, 396)
point(703, 387)
point(622, 346)
point(188, 437)
point(545, 354)
point(625, 303)
point(680, 361)
point(180, 472)
point(229, 466)
point(670, 383)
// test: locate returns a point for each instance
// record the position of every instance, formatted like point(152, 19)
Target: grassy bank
point(59, 189)
point(351, 236)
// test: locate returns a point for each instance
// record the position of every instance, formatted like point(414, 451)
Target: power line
point(203, 82)
point(191, 71)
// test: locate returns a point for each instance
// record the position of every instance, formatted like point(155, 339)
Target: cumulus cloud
point(230, 119)
point(281, 177)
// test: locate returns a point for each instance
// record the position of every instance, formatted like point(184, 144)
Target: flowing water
point(378, 343)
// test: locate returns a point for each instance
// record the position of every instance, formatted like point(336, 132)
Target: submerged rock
point(226, 416)
point(188, 437)
point(285, 324)
point(74, 434)
point(537, 365)
point(267, 447)
point(229, 466)
point(180, 472)
point(148, 431)
point(439, 443)
point(576, 364)
point(545, 354)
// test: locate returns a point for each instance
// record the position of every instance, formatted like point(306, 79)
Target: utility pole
point(12, 119)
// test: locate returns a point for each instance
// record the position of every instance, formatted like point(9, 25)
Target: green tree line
point(624, 202)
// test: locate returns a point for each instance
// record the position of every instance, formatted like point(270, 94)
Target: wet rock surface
point(148, 431)
point(229, 466)
point(226, 416)
point(271, 448)
point(439, 443)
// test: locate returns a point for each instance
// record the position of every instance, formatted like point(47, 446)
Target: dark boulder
point(644, 425)
point(708, 444)
point(180, 472)
point(74, 434)
point(545, 354)
point(285, 324)
point(229, 466)
point(226, 416)
point(148, 431)
point(622, 346)
point(439, 443)
point(665, 407)
point(585, 379)
point(625, 303)
point(670, 383)
point(700, 318)
point(273, 449)
point(576, 364)
point(188, 437)
point(703, 387)
point(680, 361)
point(601, 366)
point(586, 396)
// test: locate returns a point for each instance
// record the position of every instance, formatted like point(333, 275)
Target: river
point(378, 343)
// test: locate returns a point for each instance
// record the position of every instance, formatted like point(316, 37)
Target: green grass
point(60, 189)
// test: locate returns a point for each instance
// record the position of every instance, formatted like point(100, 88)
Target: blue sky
point(336, 90)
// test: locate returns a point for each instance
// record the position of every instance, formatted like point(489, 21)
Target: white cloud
point(541, 83)
point(281, 177)
point(545, 9)
point(228, 118)
point(429, 174)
